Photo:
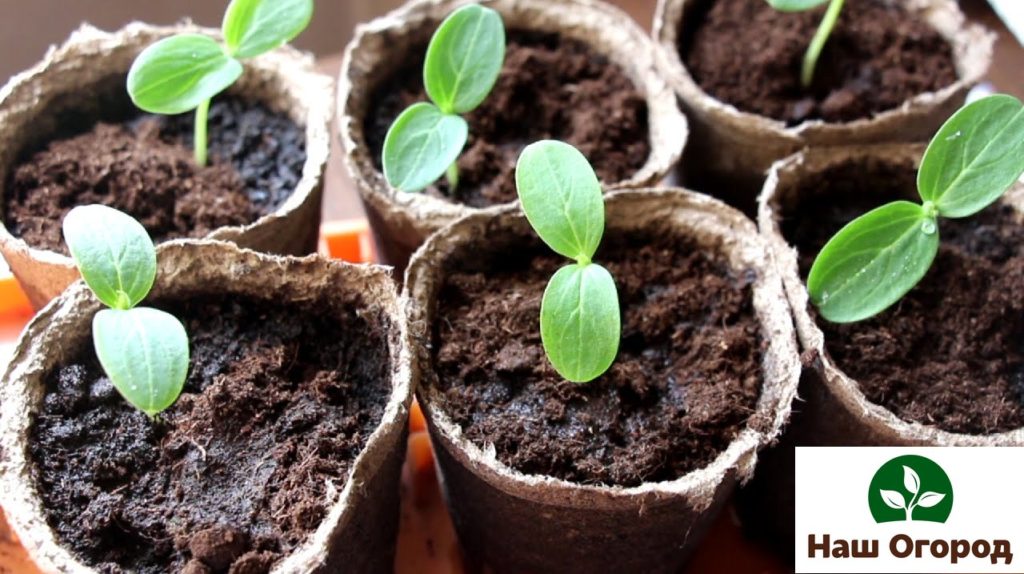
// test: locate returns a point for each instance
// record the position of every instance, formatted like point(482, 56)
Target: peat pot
point(283, 453)
point(70, 135)
point(892, 71)
point(625, 473)
point(580, 71)
point(939, 368)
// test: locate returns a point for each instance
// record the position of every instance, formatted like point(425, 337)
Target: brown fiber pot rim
point(188, 268)
point(304, 95)
point(371, 57)
point(714, 225)
point(782, 177)
point(972, 53)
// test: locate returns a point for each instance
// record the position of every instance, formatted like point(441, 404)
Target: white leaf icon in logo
point(893, 499)
point(910, 480)
point(930, 499)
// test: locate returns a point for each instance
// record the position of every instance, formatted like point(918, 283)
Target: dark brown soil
point(686, 380)
point(144, 166)
point(549, 88)
point(745, 53)
point(278, 403)
point(951, 352)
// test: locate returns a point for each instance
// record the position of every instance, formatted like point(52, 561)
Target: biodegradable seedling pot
point(360, 509)
point(84, 79)
point(402, 221)
point(520, 522)
point(834, 410)
point(739, 146)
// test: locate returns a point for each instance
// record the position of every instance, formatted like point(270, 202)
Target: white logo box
point(832, 485)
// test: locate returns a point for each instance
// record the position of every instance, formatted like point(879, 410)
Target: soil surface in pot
point(745, 53)
point(685, 382)
point(550, 87)
point(951, 352)
point(279, 402)
point(145, 167)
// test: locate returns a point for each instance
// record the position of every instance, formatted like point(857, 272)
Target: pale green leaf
point(113, 253)
point(975, 156)
point(420, 146)
point(176, 74)
point(579, 321)
point(253, 27)
point(873, 261)
point(145, 353)
point(464, 58)
point(795, 5)
point(562, 199)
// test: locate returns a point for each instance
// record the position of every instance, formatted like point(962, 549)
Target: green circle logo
point(908, 488)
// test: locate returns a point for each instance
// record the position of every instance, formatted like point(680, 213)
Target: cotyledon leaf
point(464, 58)
point(113, 253)
point(873, 261)
point(253, 27)
point(145, 354)
point(975, 156)
point(420, 145)
point(562, 198)
point(176, 74)
point(579, 321)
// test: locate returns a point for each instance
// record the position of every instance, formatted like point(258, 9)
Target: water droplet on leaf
point(928, 227)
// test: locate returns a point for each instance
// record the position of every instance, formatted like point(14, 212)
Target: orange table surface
point(427, 543)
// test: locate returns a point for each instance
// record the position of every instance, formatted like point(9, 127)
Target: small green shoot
point(877, 258)
point(463, 61)
point(144, 351)
point(820, 36)
point(579, 314)
point(184, 72)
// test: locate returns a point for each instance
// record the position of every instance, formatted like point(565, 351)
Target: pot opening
point(280, 400)
point(949, 354)
point(686, 381)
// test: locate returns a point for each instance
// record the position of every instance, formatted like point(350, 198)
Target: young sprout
point(462, 64)
point(144, 351)
point(184, 72)
point(877, 258)
point(579, 314)
point(820, 36)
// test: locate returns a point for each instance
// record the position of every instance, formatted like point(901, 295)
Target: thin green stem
point(199, 144)
point(818, 42)
point(452, 174)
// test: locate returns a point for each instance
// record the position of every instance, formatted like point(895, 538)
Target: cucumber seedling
point(184, 72)
point(463, 61)
point(877, 258)
point(143, 351)
point(579, 313)
point(828, 22)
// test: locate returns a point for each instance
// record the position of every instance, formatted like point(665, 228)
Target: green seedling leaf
point(975, 156)
point(579, 321)
point(795, 5)
point(253, 27)
point(873, 261)
point(579, 315)
point(464, 58)
point(113, 253)
point(562, 199)
point(421, 144)
point(145, 353)
point(177, 74)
